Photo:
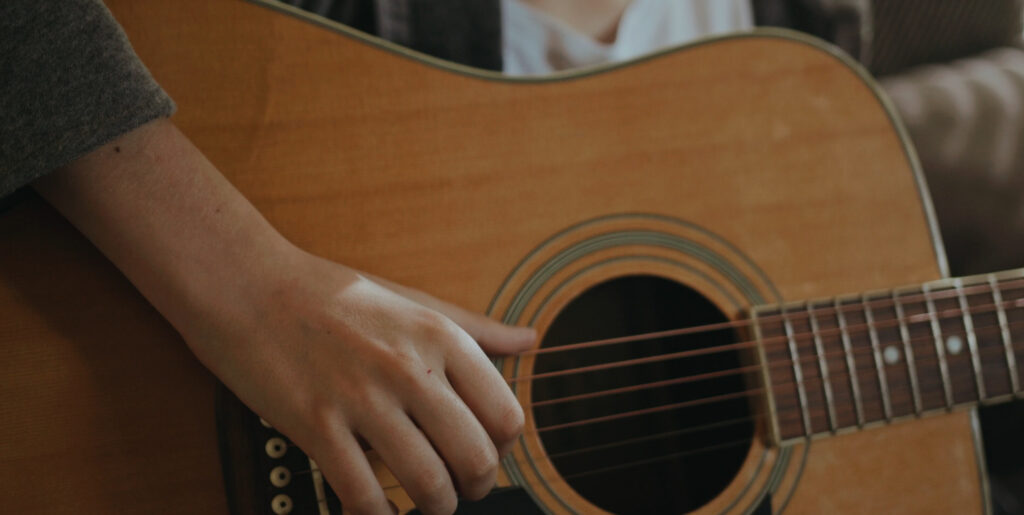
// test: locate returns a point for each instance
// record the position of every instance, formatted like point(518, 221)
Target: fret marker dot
point(891, 355)
point(955, 345)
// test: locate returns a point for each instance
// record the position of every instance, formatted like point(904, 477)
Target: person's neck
point(598, 19)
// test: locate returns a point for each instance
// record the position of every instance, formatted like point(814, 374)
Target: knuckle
point(437, 327)
point(435, 494)
point(480, 473)
point(323, 418)
point(402, 359)
point(361, 502)
point(510, 423)
point(376, 407)
point(317, 416)
point(483, 465)
point(407, 368)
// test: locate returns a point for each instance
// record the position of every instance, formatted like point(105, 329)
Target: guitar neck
point(852, 361)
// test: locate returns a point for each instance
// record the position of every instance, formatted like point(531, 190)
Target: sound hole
point(663, 459)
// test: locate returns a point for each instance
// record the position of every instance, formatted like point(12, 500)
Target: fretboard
point(852, 361)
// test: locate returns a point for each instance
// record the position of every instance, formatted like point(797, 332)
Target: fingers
point(487, 394)
point(413, 461)
point(493, 336)
point(433, 372)
point(349, 473)
point(459, 438)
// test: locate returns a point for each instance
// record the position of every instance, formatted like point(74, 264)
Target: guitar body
point(750, 169)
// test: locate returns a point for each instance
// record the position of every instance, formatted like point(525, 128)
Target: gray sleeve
point(69, 82)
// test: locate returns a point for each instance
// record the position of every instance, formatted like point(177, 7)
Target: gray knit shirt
point(69, 82)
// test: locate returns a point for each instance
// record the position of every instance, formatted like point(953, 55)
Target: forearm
point(166, 217)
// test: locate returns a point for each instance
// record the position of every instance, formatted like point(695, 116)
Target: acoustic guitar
point(679, 212)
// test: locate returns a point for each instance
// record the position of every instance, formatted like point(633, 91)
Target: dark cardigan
point(886, 35)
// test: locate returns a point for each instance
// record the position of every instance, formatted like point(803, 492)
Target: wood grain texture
point(445, 182)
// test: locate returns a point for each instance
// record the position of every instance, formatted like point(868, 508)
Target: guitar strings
point(657, 459)
point(635, 361)
point(654, 409)
point(796, 410)
point(703, 449)
point(804, 314)
point(775, 386)
point(787, 364)
point(948, 314)
point(951, 313)
point(665, 434)
point(646, 386)
point(794, 413)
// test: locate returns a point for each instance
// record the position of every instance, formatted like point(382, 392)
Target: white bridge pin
point(280, 477)
point(281, 504)
point(276, 447)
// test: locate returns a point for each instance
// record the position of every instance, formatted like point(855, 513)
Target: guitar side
point(414, 172)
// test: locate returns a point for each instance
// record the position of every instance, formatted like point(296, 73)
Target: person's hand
point(330, 357)
point(325, 354)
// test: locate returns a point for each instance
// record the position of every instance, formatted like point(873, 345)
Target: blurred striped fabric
point(955, 71)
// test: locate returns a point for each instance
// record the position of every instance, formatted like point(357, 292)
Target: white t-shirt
point(534, 43)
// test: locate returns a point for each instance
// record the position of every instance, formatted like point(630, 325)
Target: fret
point(814, 383)
point(785, 395)
point(871, 394)
point(983, 312)
point(892, 350)
point(797, 372)
point(834, 357)
point(972, 338)
point(960, 360)
point(908, 352)
point(1011, 289)
point(823, 367)
point(940, 350)
point(1004, 332)
point(851, 365)
point(876, 351)
point(917, 319)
